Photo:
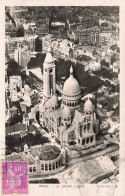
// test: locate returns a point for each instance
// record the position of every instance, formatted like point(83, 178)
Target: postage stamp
point(14, 178)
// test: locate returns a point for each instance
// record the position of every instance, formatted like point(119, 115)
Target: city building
point(115, 67)
point(42, 159)
point(89, 37)
point(18, 130)
point(24, 42)
point(42, 26)
point(73, 36)
point(29, 29)
point(105, 36)
point(22, 56)
point(46, 42)
point(10, 30)
point(94, 66)
point(34, 96)
point(72, 23)
point(57, 23)
point(15, 87)
point(71, 121)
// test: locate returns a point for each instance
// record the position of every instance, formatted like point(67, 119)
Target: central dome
point(71, 92)
point(71, 85)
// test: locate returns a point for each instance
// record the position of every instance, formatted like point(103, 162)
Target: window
point(50, 167)
point(87, 141)
point(94, 128)
point(34, 169)
point(46, 167)
point(80, 130)
point(56, 164)
point(50, 71)
point(59, 121)
point(58, 133)
point(30, 169)
point(88, 126)
point(83, 141)
point(42, 166)
point(53, 165)
point(91, 140)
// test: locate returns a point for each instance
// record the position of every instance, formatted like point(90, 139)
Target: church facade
point(72, 121)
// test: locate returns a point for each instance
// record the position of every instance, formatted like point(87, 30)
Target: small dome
point(88, 106)
point(54, 100)
point(48, 58)
point(51, 102)
point(66, 112)
point(71, 85)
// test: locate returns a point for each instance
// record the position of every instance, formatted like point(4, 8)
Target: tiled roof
point(32, 128)
point(15, 128)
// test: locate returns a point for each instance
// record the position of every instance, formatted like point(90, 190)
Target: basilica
point(72, 122)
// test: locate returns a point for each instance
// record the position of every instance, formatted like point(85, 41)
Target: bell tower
point(49, 80)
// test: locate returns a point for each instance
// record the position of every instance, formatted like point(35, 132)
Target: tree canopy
point(13, 68)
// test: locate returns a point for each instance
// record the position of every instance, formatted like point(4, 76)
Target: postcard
point(62, 90)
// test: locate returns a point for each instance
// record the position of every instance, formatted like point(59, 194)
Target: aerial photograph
point(62, 89)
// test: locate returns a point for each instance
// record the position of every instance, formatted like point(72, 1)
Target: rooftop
point(48, 152)
point(15, 128)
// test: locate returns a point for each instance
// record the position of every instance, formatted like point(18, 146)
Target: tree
point(15, 119)
point(104, 24)
point(20, 32)
point(13, 68)
point(113, 58)
point(103, 62)
point(9, 141)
